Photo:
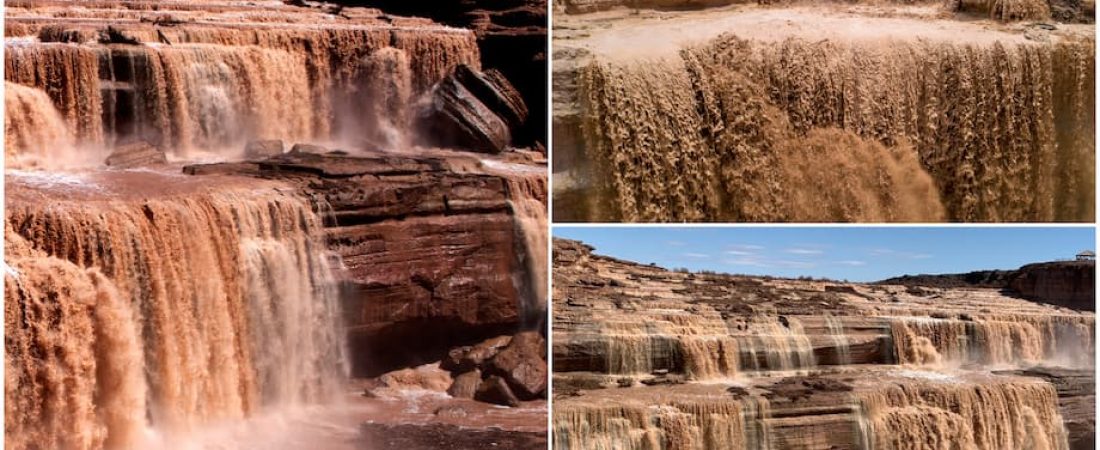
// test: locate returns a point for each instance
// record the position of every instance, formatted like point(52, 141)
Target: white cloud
point(898, 254)
point(696, 255)
point(796, 264)
point(675, 243)
point(803, 251)
point(739, 253)
point(852, 263)
point(770, 263)
point(746, 262)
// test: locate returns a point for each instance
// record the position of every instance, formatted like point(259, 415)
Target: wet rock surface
point(502, 370)
point(473, 111)
point(522, 365)
point(446, 437)
point(427, 244)
point(263, 149)
point(134, 155)
point(495, 390)
point(466, 385)
point(512, 38)
point(1076, 398)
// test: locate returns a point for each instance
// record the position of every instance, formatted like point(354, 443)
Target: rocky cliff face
point(511, 35)
point(641, 352)
point(1071, 284)
point(429, 246)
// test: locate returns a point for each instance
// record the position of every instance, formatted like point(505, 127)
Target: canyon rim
point(267, 224)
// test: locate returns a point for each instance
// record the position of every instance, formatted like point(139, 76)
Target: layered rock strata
point(511, 35)
point(646, 356)
point(428, 246)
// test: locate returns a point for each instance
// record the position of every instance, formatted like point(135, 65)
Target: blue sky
point(855, 254)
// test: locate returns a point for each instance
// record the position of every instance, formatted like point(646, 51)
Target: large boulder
point(136, 154)
point(495, 92)
point(427, 377)
point(496, 391)
point(466, 358)
point(299, 148)
point(522, 364)
point(473, 111)
point(263, 149)
point(466, 385)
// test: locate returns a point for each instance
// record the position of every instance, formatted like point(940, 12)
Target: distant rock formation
point(978, 278)
point(1070, 284)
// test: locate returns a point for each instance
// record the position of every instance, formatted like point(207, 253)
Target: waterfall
point(213, 89)
point(220, 305)
point(794, 130)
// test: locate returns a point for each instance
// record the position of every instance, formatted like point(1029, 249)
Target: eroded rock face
point(1067, 283)
point(428, 377)
point(1063, 283)
point(511, 36)
point(428, 247)
point(463, 359)
point(474, 111)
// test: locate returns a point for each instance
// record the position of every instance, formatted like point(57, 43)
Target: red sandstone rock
point(463, 359)
point(495, 92)
point(429, 251)
point(136, 154)
point(1070, 284)
point(495, 390)
point(522, 365)
point(465, 385)
point(459, 118)
point(428, 377)
point(308, 148)
point(263, 149)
